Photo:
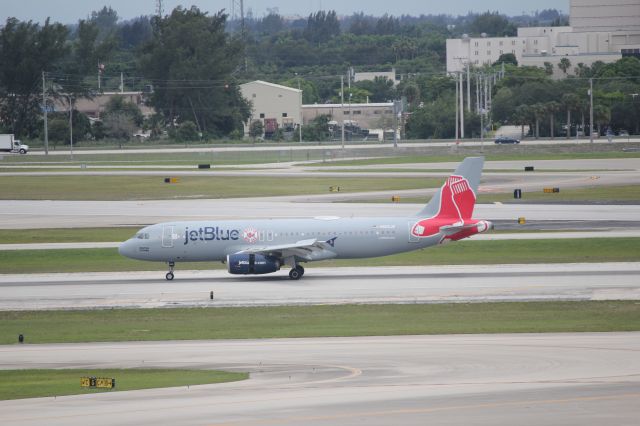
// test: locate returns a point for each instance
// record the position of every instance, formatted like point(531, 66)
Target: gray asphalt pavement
point(422, 284)
point(23, 214)
point(584, 379)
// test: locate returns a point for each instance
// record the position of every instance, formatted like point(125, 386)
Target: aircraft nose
point(125, 249)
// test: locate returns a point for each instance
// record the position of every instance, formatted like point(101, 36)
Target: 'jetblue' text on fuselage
point(210, 233)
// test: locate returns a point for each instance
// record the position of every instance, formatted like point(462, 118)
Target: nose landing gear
point(169, 275)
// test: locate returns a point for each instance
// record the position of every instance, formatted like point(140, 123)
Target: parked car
point(506, 139)
point(623, 133)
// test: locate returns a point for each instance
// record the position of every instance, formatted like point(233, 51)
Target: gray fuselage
point(349, 238)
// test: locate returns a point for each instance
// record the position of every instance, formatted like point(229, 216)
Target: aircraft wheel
point(300, 269)
point(169, 276)
point(295, 274)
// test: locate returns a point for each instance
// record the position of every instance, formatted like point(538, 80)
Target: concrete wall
point(605, 15)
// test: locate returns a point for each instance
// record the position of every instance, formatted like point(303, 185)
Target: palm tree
point(601, 115)
point(539, 110)
point(564, 65)
point(552, 108)
point(522, 115)
point(571, 102)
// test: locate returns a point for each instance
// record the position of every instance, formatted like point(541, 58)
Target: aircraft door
point(412, 238)
point(167, 236)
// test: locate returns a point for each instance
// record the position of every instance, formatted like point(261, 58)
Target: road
point(398, 284)
point(584, 379)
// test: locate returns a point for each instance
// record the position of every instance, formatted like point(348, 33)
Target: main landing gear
point(296, 273)
point(169, 275)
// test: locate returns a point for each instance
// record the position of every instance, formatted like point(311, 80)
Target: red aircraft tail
point(457, 199)
point(449, 213)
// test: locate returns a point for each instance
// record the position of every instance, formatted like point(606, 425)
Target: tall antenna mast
point(159, 8)
point(237, 6)
point(237, 13)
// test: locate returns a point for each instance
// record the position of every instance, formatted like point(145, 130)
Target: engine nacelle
point(251, 264)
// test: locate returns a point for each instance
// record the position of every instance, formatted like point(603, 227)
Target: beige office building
point(601, 30)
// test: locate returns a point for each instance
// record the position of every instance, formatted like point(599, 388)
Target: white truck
point(9, 144)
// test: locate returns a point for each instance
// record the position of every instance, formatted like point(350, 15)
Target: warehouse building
point(273, 104)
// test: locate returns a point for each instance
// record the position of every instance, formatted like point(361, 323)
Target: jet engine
point(251, 264)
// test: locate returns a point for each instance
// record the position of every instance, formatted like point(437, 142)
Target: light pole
point(342, 105)
point(70, 123)
point(301, 116)
point(591, 110)
point(44, 107)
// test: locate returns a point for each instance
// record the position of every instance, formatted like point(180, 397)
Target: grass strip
point(318, 321)
point(463, 252)
point(190, 187)
point(600, 194)
point(517, 155)
point(18, 384)
point(66, 235)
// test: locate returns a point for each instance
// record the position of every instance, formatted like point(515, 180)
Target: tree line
point(190, 64)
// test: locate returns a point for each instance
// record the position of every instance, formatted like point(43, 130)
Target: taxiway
point(584, 379)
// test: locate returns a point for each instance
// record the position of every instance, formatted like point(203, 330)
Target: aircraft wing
point(304, 249)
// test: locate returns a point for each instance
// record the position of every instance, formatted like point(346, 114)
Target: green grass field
point(153, 187)
point(516, 155)
point(317, 321)
point(463, 252)
point(174, 158)
point(18, 384)
point(66, 235)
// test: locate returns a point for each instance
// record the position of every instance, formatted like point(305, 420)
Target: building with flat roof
point(367, 116)
point(605, 15)
point(601, 30)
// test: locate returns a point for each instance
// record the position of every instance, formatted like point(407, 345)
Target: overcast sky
point(69, 11)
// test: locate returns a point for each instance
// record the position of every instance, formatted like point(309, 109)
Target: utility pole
point(457, 108)
point(461, 106)
point(342, 108)
point(70, 125)
point(478, 94)
point(301, 116)
point(591, 126)
point(486, 92)
point(121, 83)
point(44, 108)
point(469, 86)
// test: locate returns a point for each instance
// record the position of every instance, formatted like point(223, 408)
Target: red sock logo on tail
point(456, 205)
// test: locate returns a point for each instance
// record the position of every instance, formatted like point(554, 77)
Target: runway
point(24, 214)
point(529, 379)
point(426, 284)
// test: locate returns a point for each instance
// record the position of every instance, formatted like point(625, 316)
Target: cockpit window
point(142, 236)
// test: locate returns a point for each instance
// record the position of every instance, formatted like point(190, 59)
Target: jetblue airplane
point(254, 247)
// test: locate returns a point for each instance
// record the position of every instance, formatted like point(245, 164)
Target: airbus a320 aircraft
point(253, 247)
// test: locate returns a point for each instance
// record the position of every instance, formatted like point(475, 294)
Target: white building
point(601, 30)
point(273, 101)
